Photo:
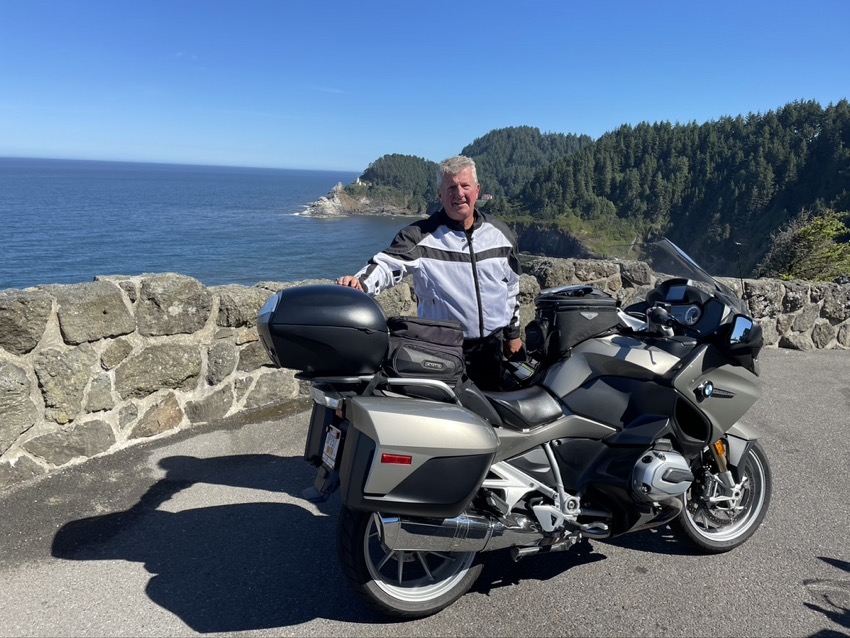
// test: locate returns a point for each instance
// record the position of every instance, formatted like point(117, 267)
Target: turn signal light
point(720, 446)
point(396, 459)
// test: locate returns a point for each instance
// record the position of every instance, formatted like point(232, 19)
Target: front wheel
point(714, 524)
point(400, 583)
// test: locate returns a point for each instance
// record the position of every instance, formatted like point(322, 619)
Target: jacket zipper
point(474, 264)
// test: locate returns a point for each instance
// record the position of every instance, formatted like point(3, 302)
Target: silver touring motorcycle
point(629, 422)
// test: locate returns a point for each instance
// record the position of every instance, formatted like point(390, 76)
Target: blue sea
point(67, 221)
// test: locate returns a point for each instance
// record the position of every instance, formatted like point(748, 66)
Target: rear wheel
point(400, 583)
point(715, 524)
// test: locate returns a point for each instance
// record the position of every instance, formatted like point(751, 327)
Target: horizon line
point(173, 163)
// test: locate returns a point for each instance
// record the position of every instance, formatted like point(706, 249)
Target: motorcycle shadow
point(231, 567)
point(660, 540)
point(502, 571)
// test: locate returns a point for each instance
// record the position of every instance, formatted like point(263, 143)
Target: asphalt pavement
point(206, 532)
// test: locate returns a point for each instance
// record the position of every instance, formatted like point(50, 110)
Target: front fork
point(720, 489)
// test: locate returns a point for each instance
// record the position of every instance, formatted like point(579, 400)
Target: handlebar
point(658, 318)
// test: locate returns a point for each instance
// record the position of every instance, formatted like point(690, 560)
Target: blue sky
point(331, 84)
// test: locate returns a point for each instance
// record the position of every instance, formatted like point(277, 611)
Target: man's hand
point(513, 346)
point(350, 282)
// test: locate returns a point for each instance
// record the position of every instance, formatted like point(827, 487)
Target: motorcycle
point(630, 421)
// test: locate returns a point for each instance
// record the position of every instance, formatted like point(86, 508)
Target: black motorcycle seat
point(525, 408)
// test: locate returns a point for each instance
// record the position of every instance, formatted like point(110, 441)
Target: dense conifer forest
point(740, 194)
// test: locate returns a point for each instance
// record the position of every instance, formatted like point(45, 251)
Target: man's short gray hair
point(453, 166)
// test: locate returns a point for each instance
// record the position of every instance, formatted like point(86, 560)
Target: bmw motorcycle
point(631, 421)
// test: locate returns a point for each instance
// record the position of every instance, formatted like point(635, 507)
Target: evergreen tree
point(809, 247)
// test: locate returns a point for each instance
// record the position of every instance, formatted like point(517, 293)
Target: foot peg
point(595, 530)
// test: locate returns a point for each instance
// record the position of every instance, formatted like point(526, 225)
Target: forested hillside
point(723, 190)
point(705, 186)
point(505, 160)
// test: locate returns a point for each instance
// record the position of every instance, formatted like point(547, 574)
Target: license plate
point(332, 439)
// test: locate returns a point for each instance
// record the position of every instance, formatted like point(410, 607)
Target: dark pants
point(484, 361)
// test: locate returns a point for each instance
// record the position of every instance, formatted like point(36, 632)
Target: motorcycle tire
point(713, 529)
point(401, 584)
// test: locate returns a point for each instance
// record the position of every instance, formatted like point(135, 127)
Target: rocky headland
point(338, 203)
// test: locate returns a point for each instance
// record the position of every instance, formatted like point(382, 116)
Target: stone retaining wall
point(87, 369)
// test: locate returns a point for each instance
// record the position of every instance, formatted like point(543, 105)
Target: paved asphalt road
point(207, 534)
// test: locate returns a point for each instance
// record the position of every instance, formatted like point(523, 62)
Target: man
point(465, 268)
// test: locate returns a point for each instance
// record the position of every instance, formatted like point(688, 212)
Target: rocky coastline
point(338, 203)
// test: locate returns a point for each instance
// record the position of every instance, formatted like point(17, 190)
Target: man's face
point(458, 194)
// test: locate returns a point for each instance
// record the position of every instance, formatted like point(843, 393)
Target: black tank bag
point(566, 316)
point(425, 349)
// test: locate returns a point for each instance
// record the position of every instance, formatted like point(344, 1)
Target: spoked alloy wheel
point(400, 583)
point(716, 526)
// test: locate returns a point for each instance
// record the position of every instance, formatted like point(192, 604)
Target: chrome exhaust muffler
point(464, 533)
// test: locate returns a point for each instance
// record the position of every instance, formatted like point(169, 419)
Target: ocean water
point(67, 221)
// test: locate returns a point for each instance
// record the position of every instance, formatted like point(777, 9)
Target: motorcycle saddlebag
point(566, 316)
point(413, 457)
point(324, 330)
point(425, 349)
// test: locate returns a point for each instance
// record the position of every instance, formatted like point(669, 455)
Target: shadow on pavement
point(502, 571)
point(261, 565)
point(231, 567)
point(661, 540)
point(833, 596)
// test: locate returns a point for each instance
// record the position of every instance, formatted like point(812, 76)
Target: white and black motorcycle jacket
point(467, 276)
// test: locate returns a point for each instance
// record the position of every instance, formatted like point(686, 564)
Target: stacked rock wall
point(87, 369)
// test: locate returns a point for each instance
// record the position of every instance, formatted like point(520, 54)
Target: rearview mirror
point(745, 342)
point(742, 329)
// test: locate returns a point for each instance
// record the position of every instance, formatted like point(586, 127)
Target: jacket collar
point(477, 216)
